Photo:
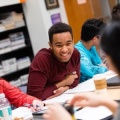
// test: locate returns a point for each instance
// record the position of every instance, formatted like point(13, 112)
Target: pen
point(79, 109)
point(30, 105)
point(65, 103)
point(69, 108)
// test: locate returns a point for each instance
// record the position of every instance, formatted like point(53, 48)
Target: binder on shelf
point(17, 38)
point(17, 46)
point(16, 83)
point(23, 63)
point(5, 43)
point(24, 79)
point(7, 49)
point(1, 70)
point(9, 65)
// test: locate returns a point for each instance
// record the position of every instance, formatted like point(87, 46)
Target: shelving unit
point(23, 53)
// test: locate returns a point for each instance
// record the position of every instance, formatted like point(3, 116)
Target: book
point(9, 65)
point(17, 38)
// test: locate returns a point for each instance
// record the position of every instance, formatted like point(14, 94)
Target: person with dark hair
point(116, 13)
point(91, 62)
point(110, 37)
point(56, 69)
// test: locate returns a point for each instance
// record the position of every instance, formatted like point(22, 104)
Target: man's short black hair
point(91, 28)
point(116, 13)
point(59, 28)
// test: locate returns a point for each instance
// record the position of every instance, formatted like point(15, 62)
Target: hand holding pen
point(35, 106)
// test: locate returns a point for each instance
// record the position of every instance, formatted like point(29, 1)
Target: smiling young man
point(56, 69)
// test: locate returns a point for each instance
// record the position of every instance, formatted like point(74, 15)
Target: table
point(113, 92)
point(87, 86)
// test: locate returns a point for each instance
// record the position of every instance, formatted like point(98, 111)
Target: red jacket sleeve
point(15, 96)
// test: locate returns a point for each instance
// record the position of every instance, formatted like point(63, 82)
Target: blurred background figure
point(116, 13)
point(90, 60)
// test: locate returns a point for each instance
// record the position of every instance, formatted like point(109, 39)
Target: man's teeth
point(64, 55)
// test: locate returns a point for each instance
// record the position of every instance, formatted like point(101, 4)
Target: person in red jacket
point(17, 98)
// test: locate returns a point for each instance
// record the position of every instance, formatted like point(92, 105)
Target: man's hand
point(70, 78)
point(59, 91)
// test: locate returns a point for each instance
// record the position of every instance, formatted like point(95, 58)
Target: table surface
point(113, 92)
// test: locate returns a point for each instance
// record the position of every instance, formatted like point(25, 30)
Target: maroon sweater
point(46, 70)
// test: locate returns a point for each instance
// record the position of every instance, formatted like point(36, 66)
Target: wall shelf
point(19, 48)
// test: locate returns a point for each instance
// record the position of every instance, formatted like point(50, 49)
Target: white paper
point(60, 99)
point(93, 113)
point(109, 74)
point(22, 112)
point(86, 86)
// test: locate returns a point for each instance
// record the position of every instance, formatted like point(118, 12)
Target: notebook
point(93, 113)
point(114, 81)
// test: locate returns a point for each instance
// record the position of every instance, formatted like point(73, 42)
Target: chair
point(23, 89)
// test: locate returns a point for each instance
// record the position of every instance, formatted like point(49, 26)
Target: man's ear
point(94, 39)
point(50, 45)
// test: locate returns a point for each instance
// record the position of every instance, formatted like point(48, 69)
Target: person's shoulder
point(42, 58)
point(44, 53)
point(78, 44)
point(76, 53)
point(94, 50)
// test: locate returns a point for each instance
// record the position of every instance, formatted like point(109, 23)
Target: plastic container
point(100, 83)
point(5, 108)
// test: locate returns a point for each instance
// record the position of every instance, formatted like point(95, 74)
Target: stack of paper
point(22, 113)
point(60, 99)
point(109, 74)
point(82, 87)
point(93, 113)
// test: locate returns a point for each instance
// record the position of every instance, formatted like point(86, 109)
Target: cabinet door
point(77, 14)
